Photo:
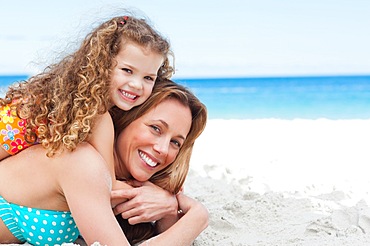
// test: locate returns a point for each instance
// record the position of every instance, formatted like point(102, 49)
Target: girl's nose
point(136, 83)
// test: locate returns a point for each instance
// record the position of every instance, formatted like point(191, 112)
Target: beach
point(283, 182)
point(284, 159)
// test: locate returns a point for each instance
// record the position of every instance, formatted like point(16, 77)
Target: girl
point(67, 104)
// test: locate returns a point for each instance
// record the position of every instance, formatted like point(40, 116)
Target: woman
point(154, 142)
point(172, 177)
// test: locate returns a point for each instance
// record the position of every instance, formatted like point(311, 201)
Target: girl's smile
point(133, 75)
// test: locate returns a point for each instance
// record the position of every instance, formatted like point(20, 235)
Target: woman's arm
point(193, 221)
point(146, 203)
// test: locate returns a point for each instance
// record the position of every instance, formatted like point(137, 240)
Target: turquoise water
point(336, 97)
point(7, 80)
point(342, 97)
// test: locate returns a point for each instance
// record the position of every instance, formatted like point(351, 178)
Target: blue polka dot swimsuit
point(36, 226)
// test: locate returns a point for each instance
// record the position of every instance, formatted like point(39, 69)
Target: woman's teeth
point(147, 160)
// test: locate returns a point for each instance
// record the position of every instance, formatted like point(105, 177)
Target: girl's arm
point(193, 221)
point(86, 184)
point(102, 139)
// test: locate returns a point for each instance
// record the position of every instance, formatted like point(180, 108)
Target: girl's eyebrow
point(166, 125)
point(124, 64)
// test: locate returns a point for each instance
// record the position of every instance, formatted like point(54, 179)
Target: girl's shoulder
point(102, 139)
point(82, 166)
point(102, 133)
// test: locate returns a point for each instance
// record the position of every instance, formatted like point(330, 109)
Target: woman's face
point(152, 142)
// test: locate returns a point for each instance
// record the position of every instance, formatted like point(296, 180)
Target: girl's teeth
point(128, 95)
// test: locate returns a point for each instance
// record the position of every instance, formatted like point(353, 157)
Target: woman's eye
point(156, 128)
point(177, 143)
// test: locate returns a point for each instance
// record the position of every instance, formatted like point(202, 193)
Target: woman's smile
point(147, 159)
point(152, 142)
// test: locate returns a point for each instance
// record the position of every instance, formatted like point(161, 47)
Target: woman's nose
point(161, 146)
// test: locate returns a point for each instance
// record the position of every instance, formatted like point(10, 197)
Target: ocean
point(330, 97)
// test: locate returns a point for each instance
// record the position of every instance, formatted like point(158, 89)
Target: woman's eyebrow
point(166, 125)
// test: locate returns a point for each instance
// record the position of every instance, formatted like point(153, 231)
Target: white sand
point(277, 182)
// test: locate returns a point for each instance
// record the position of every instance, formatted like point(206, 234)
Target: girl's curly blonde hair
point(61, 103)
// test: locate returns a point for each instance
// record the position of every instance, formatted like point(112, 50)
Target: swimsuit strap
point(6, 215)
point(37, 226)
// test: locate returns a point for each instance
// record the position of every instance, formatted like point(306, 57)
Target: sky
point(210, 38)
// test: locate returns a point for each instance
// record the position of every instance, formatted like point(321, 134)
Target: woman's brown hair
point(173, 176)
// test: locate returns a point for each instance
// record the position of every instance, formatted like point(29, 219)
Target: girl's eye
point(149, 78)
point(127, 70)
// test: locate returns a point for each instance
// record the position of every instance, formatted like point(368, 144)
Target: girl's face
point(133, 77)
point(152, 142)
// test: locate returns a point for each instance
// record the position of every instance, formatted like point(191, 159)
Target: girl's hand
point(116, 196)
point(146, 203)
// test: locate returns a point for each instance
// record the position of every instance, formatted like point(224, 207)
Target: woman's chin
point(141, 177)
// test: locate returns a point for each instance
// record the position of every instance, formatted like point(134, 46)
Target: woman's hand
point(188, 207)
point(186, 203)
point(193, 221)
point(146, 203)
